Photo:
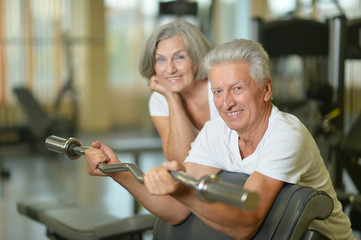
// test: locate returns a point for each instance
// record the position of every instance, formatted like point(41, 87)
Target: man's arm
point(164, 207)
point(232, 221)
point(237, 223)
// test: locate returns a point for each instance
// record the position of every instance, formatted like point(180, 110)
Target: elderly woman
point(182, 100)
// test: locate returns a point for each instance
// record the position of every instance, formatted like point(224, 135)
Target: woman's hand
point(159, 181)
point(156, 85)
point(99, 153)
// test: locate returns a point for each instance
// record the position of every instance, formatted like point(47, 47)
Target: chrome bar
point(209, 188)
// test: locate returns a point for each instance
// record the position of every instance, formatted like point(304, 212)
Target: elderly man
point(251, 136)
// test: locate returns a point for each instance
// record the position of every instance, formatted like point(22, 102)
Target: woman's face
point(174, 67)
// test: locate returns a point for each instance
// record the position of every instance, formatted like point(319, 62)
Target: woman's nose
point(171, 67)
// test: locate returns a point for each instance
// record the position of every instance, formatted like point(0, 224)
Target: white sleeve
point(158, 105)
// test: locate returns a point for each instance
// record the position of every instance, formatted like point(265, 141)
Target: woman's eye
point(238, 88)
point(159, 59)
point(179, 57)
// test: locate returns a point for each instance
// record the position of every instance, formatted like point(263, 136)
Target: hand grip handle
point(212, 188)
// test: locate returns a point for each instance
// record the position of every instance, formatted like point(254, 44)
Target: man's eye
point(238, 88)
point(217, 91)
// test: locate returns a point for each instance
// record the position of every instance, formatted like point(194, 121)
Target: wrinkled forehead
point(229, 73)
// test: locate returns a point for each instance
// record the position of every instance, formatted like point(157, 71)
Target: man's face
point(240, 101)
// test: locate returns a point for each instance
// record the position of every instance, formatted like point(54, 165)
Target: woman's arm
point(176, 131)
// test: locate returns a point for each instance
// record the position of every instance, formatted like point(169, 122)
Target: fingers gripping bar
point(209, 188)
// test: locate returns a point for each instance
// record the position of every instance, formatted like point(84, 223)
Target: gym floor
point(43, 176)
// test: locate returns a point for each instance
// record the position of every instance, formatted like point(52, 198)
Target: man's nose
point(228, 101)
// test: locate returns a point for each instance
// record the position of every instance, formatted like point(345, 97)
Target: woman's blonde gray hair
point(196, 44)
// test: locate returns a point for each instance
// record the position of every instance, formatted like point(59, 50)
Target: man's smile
point(234, 113)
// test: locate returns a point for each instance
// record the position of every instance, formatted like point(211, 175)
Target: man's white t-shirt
point(158, 105)
point(287, 152)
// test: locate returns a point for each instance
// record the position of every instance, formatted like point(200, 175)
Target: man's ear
point(267, 88)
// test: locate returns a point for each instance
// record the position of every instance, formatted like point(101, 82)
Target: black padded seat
point(289, 218)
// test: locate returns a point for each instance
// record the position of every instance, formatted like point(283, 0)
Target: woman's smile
point(174, 79)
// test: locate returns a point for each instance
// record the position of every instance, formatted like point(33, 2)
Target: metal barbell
point(209, 188)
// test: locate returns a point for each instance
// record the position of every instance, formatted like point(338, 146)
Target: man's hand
point(159, 181)
point(99, 153)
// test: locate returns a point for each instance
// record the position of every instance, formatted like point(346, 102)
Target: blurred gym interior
point(69, 68)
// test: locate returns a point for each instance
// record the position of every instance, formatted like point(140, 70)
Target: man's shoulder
point(286, 125)
point(281, 119)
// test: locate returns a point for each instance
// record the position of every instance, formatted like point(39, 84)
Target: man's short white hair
point(241, 50)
